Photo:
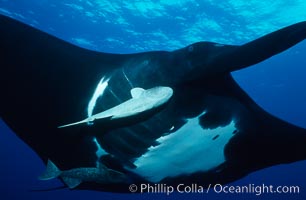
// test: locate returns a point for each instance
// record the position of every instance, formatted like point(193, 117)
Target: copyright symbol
point(133, 188)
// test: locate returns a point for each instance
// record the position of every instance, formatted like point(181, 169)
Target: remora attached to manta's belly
point(141, 101)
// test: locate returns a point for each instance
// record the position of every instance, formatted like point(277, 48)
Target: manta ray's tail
point(73, 124)
point(51, 172)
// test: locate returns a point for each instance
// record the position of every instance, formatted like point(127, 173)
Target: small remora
point(74, 177)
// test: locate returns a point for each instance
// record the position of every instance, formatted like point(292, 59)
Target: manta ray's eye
point(190, 48)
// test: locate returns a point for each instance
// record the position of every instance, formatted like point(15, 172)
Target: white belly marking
point(188, 150)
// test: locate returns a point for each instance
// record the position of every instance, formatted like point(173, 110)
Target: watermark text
point(215, 188)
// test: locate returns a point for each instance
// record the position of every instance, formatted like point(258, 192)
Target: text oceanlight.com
point(216, 188)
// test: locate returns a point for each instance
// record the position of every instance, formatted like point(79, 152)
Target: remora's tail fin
point(51, 172)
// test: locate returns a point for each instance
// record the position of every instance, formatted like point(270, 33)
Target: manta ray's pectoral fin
point(233, 58)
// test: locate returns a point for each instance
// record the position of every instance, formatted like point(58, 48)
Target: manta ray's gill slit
point(100, 152)
point(100, 89)
point(215, 137)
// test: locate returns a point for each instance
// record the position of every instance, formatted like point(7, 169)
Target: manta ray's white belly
point(188, 150)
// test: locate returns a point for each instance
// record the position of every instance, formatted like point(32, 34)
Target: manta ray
point(165, 117)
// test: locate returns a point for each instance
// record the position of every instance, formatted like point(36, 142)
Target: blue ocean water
point(277, 84)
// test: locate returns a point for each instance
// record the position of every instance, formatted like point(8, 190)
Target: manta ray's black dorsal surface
point(209, 131)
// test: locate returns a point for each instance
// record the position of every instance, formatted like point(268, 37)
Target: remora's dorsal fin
point(51, 172)
point(72, 182)
point(137, 92)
